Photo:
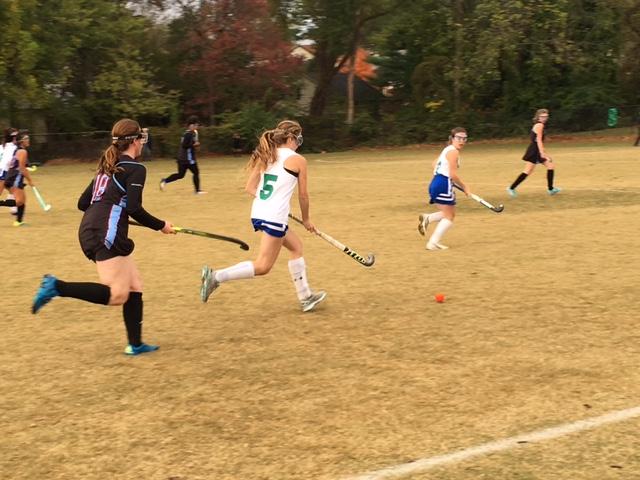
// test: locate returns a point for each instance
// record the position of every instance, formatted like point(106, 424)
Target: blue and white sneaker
point(45, 293)
point(142, 348)
point(209, 283)
point(512, 193)
point(554, 190)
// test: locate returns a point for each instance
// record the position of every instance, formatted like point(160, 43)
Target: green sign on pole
point(612, 117)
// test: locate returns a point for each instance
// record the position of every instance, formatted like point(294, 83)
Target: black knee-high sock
point(550, 179)
point(521, 178)
point(132, 313)
point(87, 291)
point(196, 177)
point(7, 203)
point(20, 215)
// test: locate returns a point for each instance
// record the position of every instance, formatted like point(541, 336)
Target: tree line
point(76, 65)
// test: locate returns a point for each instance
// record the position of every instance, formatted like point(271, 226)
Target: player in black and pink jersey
point(114, 195)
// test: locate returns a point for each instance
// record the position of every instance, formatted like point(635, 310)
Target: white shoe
point(201, 192)
point(312, 300)
point(436, 246)
point(209, 283)
point(162, 185)
point(423, 223)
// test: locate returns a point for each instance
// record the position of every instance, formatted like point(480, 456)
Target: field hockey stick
point(200, 233)
point(367, 262)
point(45, 206)
point(482, 201)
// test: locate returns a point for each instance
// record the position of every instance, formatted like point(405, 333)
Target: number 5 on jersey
point(267, 186)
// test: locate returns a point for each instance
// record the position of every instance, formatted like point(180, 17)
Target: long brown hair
point(123, 133)
point(265, 153)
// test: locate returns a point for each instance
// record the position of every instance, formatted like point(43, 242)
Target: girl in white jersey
point(7, 150)
point(445, 174)
point(275, 171)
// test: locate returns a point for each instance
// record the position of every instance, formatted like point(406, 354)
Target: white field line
point(519, 441)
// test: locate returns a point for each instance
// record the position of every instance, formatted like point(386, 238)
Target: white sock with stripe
point(236, 272)
point(298, 270)
point(444, 225)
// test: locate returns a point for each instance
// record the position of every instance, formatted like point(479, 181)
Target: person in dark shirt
point(535, 154)
point(187, 156)
point(114, 195)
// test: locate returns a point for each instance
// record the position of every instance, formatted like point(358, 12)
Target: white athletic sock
point(298, 270)
point(444, 225)
point(236, 272)
point(435, 216)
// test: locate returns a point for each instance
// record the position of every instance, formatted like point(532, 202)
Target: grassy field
point(539, 328)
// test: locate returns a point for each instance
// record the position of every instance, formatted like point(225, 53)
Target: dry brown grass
point(540, 320)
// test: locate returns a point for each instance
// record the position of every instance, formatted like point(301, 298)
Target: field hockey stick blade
point(214, 236)
point(200, 233)
point(482, 201)
point(45, 206)
point(367, 262)
point(497, 209)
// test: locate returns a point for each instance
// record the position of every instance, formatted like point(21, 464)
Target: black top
point(533, 152)
point(187, 151)
point(109, 200)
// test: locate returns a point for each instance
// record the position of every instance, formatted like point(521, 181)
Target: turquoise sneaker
point(208, 283)
point(45, 293)
point(554, 190)
point(142, 348)
point(512, 193)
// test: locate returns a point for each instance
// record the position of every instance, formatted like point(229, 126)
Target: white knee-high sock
point(298, 270)
point(444, 225)
point(236, 272)
point(435, 216)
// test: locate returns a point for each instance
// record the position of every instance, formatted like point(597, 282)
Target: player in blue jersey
point(445, 175)
point(114, 195)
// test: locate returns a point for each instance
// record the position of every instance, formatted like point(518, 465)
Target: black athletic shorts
point(92, 242)
point(14, 179)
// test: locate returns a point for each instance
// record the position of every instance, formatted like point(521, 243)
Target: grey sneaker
point(209, 283)
point(312, 300)
point(423, 223)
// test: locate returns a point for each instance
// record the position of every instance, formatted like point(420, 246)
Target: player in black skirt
point(16, 175)
point(187, 156)
point(111, 198)
point(536, 154)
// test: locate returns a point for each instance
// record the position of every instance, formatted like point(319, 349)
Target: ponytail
point(265, 153)
point(123, 133)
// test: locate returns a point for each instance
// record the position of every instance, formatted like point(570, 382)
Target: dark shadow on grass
point(533, 202)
